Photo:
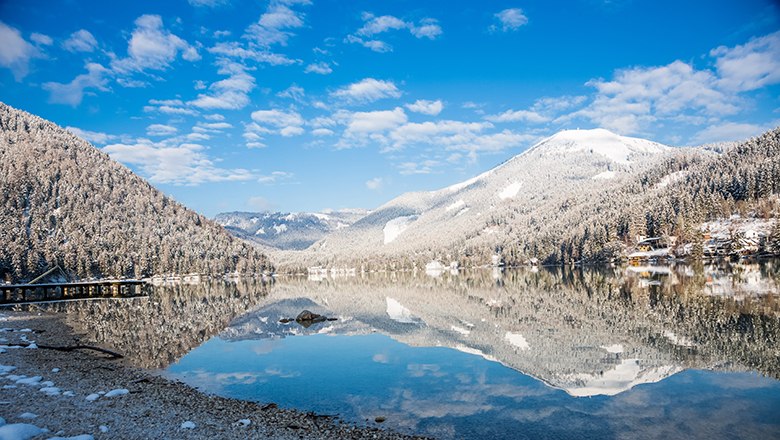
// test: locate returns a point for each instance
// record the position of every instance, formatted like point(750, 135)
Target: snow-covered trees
point(64, 202)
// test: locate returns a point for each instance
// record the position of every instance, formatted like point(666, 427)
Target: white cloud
point(729, 131)
point(73, 92)
point(421, 167)
point(277, 118)
point(374, 184)
point(94, 137)
point(231, 93)
point(377, 25)
point(321, 68)
point(275, 24)
point(367, 90)
point(510, 20)
point(426, 28)
point(15, 51)
point(425, 107)
point(294, 92)
point(211, 127)
point(174, 162)
point(557, 104)
point(161, 130)
point(41, 39)
point(518, 116)
point(236, 50)
point(441, 133)
point(80, 41)
point(375, 45)
point(151, 46)
point(275, 177)
point(367, 122)
point(638, 96)
point(750, 66)
point(322, 132)
point(283, 123)
point(208, 3)
point(494, 142)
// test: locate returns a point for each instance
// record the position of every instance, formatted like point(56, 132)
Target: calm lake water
point(648, 352)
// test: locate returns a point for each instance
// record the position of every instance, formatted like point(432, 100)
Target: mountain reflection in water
point(528, 347)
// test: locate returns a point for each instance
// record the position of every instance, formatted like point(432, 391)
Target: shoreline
point(89, 394)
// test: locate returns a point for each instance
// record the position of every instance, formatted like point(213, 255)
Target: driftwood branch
point(113, 354)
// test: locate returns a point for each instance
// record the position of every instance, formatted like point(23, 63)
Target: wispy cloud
point(80, 41)
point(173, 161)
point(231, 93)
point(509, 20)
point(73, 92)
point(94, 137)
point(426, 107)
point(375, 25)
point(321, 68)
point(367, 90)
point(152, 46)
point(161, 130)
point(749, 66)
point(374, 184)
point(15, 51)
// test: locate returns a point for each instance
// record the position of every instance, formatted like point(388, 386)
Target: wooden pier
point(25, 293)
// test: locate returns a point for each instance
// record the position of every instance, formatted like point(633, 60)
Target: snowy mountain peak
point(616, 148)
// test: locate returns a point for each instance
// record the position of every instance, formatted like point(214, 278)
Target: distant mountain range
point(287, 231)
point(66, 203)
point(577, 196)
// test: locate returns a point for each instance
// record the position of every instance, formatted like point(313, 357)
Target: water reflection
point(613, 352)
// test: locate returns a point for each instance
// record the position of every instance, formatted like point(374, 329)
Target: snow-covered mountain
point(532, 188)
point(293, 231)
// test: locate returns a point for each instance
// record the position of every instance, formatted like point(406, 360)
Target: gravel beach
point(46, 393)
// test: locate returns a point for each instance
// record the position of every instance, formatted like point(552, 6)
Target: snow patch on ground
point(461, 330)
point(517, 340)
point(510, 191)
point(280, 228)
point(434, 268)
point(396, 226)
point(671, 178)
point(681, 341)
point(604, 175)
point(614, 348)
point(628, 374)
point(398, 313)
point(455, 205)
point(476, 352)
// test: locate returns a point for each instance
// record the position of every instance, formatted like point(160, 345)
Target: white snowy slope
point(530, 187)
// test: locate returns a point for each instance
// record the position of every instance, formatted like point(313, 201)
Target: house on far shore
point(651, 248)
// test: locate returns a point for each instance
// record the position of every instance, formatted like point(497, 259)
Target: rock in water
point(309, 316)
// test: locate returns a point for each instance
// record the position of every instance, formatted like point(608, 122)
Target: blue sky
point(301, 105)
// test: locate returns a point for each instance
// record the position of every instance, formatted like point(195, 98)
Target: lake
point(638, 352)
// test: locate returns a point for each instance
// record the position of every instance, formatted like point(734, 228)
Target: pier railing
point(25, 293)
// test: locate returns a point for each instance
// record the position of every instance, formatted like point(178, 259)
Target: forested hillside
point(65, 202)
